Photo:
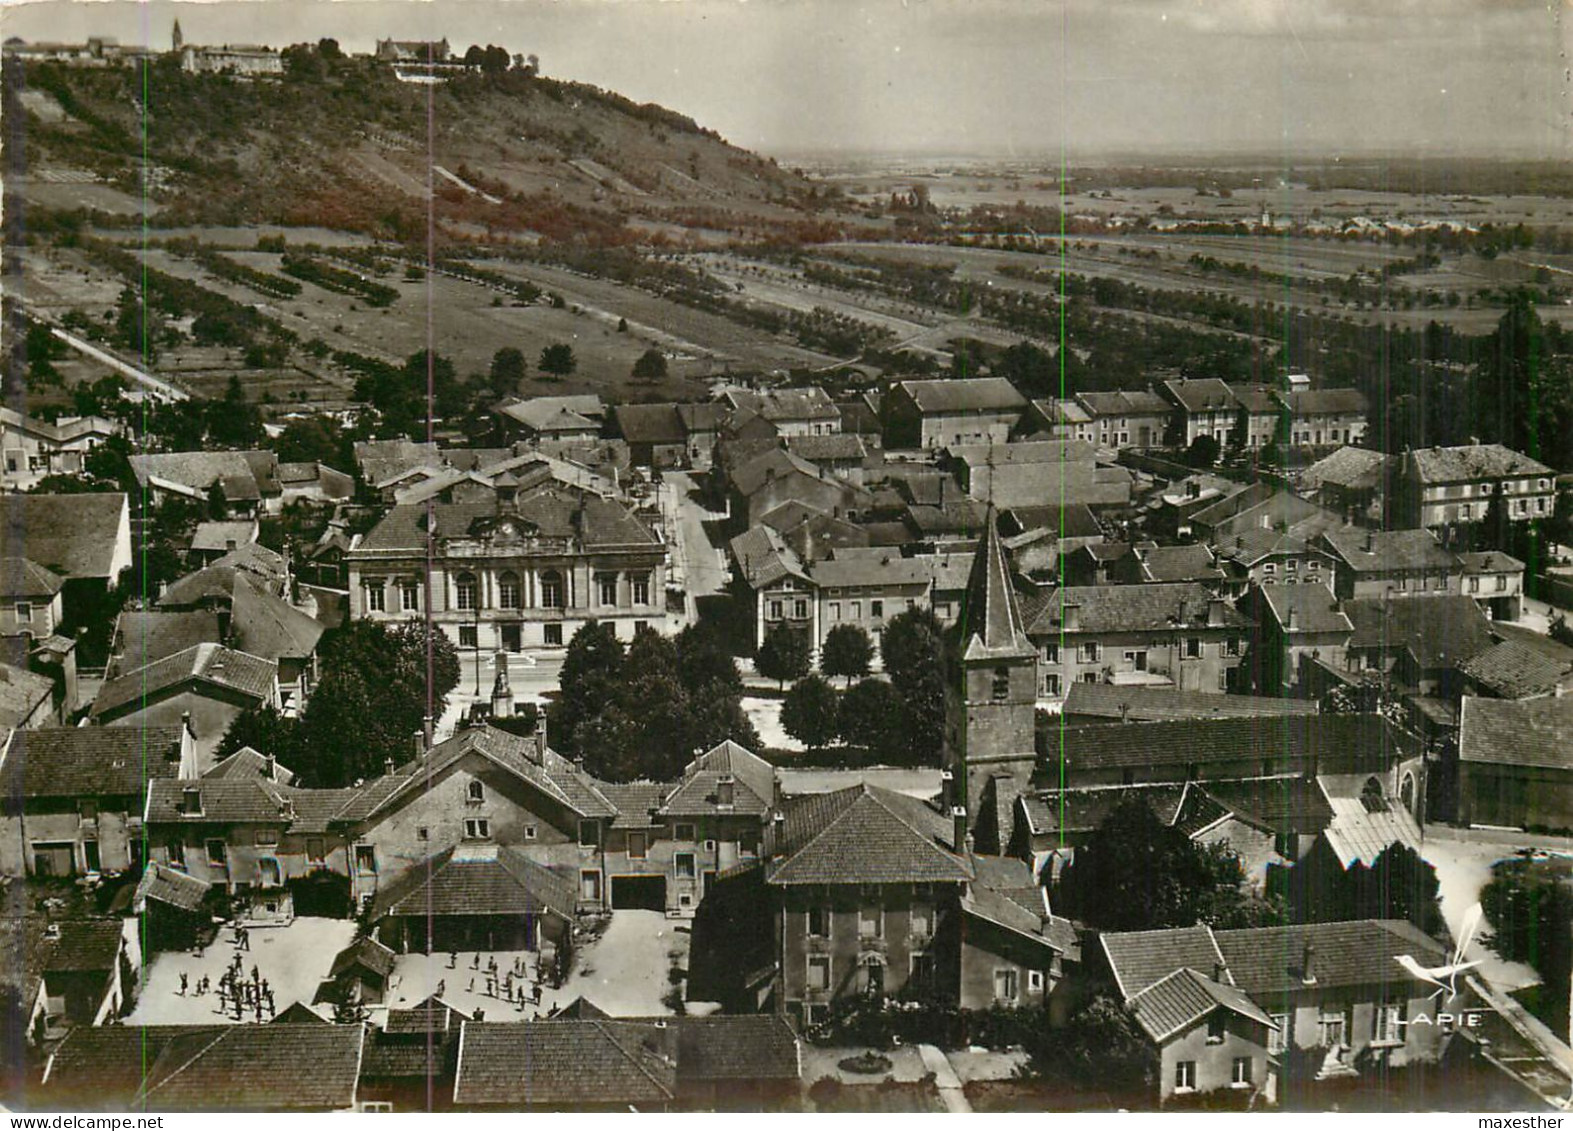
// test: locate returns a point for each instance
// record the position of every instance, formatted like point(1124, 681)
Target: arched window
point(551, 589)
point(508, 590)
point(1371, 796)
point(466, 591)
point(476, 791)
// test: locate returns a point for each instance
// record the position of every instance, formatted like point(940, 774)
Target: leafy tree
point(1138, 874)
point(378, 684)
point(1100, 1046)
point(651, 366)
point(847, 652)
point(508, 368)
point(715, 690)
point(233, 421)
point(871, 716)
point(914, 649)
point(267, 732)
point(592, 672)
point(808, 713)
point(1203, 452)
point(1529, 906)
point(138, 326)
point(315, 439)
point(1034, 371)
point(784, 655)
point(1398, 884)
point(558, 359)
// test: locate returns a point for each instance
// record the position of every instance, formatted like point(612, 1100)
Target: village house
point(315, 482)
point(844, 455)
point(1096, 703)
point(175, 911)
point(654, 434)
point(246, 482)
point(205, 688)
point(1400, 563)
point(1300, 624)
point(1062, 419)
point(870, 892)
point(1515, 763)
point(1516, 669)
point(520, 572)
point(1351, 482)
point(1125, 563)
point(947, 413)
point(1028, 473)
point(27, 699)
point(1447, 490)
point(806, 411)
point(1204, 406)
point(231, 59)
point(1421, 643)
point(1177, 635)
point(73, 796)
point(1496, 582)
point(85, 538)
point(279, 1067)
point(1169, 509)
point(593, 1062)
point(1207, 1034)
point(1272, 557)
point(31, 600)
point(777, 477)
point(76, 973)
point(210, 541)
point(1125, 419)
point(34, 448)
point(1324, 417)
point(1260, 508)
point(569, 418)
point(1258, 422)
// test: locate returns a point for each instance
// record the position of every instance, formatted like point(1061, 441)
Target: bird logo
point(1445, 978)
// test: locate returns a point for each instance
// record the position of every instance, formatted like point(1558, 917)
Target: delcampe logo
point(1445, 978)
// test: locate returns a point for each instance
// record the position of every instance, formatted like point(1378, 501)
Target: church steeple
point(177, 39)
point(989, 708)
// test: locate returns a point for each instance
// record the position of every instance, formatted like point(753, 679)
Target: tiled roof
point(1311, 608)
point(634, 802)
point(73, 535)
point(269, 627)
point(219, 535)
point(1175, 1003)
point(1005, 892)
point(1514, 670)
point(1442, 631)
point(763, 558)
point(247, 763)
point(863, 835)
point(380, 460)
point(807, 403)
point(1025, 452)
point(1268, 962)
point(1332, 741)
point(1076, 812)
point(165, 885)
point(89, 761)
point(485, 879)
point(101, 1067)
point(1355, 469)
point(430, 1016)
point(561, 1063)
point(706, 416)
point(991, 619)
point(85, 945)
point(554, 511)
point(1489, 561)
point(243, 475)
point(366, 953)
point(20, 577)
point(1258, 400)
point(1254, 544)
point(1306, 402)
point(753, 789)
point(650, 423)
point(1367, 551)
point(1471, 462)
point(880, 566)
point(1535, 732)
point(1360, 832)
point(204, 664)
point(1139, 959)
point(739, 1047)
point(749, 477)
point(225, 800)
point(424, 1057)
point(1129, 402)
point(143, 636)
point(1166, 607)
point(1179, 563)
point(547, 414)
point(257, 1068)
point(1153, 704)
point(1291, 804)
point(976, 394)
point(1074, 520)
point(832, 446)
point(1202, 394)
point(21, 693)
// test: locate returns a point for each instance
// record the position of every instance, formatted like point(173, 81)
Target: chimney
point(1215, 610)
point(947, 786)
point(1125, 712)
point(1239, 541)
point(387, 764)
point(958, 817)
point(725, 788)
point(1294, 619)
point(1193, 489)
point(417, 743)
point(287, 808)
point(538, 752)
point(1370, 540)
point(1220, 973)
point(270, 767)
point(230, 545)
point(1308, 966)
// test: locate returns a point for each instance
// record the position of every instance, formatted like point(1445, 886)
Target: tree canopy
point(847, 652)
point(785, 653)
point(808, 713)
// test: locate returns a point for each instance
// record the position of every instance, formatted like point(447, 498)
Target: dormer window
point(191, 802)
point(725, 789)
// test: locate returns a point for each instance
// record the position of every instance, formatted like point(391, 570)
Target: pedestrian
point(537, 993)
point(182, 985)
point(476, 964)
point(453, 960)
point(223, 1001)
point(256, 975)
point(472, 985)
point(245, 939)
point(442, 985)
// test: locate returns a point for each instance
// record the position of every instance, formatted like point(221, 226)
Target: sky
point(997, 78)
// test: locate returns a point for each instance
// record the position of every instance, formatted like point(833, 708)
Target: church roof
point(991, 621)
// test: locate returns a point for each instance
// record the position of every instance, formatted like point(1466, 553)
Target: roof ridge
point(600, 1026)
point(192, 1059)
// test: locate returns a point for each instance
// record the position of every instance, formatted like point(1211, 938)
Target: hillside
point(341, 143)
